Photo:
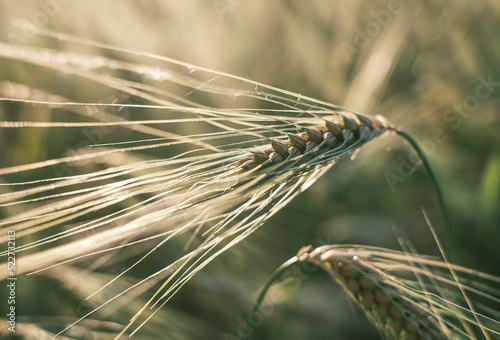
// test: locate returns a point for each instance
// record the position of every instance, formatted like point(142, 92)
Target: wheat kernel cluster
point(338, 133)
point(383, 297)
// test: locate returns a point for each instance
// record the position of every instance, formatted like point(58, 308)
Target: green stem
point(444, 211)
point(265, 289)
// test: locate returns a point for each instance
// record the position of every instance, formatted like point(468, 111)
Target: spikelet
point(411, 297)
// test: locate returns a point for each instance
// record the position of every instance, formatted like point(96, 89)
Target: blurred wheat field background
point(418, 64)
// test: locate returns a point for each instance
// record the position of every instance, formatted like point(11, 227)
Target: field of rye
point(235, 169)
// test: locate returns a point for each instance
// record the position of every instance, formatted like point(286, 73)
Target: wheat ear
point(219, 171)
point(407, 296)
point(410, 297)
point(392, 310)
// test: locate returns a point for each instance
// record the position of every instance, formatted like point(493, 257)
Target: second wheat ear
point(405, 296)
